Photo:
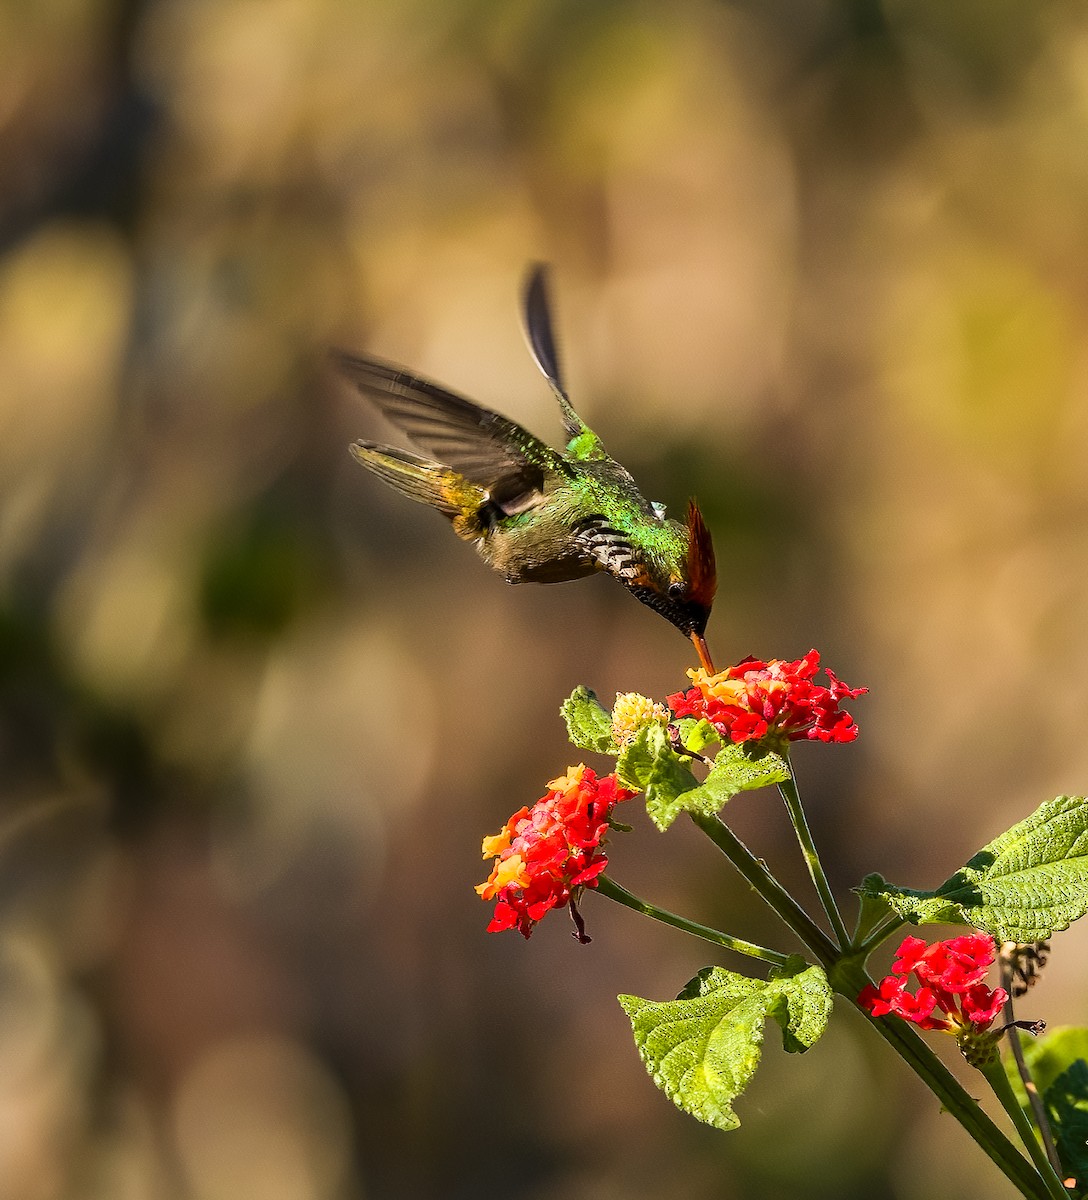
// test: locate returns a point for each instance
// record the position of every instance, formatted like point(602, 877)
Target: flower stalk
point(994, 1071)
point(878, 936)
point(1038, 1109)
point(788, 789)
point(755, 872)
point(850, 980)
point(607, 886)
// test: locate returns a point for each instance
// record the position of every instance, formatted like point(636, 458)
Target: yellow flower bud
point(631, 712)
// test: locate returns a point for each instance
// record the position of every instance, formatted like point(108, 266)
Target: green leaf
point(1066, 1102)
point(1048, 1056)
point(702, 1048)
point(738, 768)
point(650, 764)
point(1058, 1065)
point(805, 1007)
point(697, 735)
point(636, 761)
point(589, 724)
point(1022, 887)
point(745, 766)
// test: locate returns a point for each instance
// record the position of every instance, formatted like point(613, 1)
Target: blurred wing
point(483, 446)
point(541, 338)
point(420, 479)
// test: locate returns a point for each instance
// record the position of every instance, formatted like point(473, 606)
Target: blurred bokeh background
point(821, 264)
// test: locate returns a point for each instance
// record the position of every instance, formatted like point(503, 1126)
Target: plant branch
point(999, 1081)
point(1031, 1091)
point(769, 889)
point(792, 797)
point(614, 891)
point(880, 934)
point(848, 979)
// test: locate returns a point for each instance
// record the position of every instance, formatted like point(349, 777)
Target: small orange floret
point(505, 872)
point(494, 845)
point(571, 779)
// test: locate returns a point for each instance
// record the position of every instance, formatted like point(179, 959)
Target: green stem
point(1038, 1109)
point(765, 884)
point(788, 788)
point(997, 1079)
point(849, 978)
point(614, 891)
point(880, 934)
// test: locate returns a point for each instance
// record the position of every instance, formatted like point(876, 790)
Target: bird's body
point(537, 546)
point(535, 514)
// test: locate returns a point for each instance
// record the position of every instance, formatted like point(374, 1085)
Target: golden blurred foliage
point(819, 264)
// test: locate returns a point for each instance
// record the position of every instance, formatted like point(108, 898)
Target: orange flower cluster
point(545, 855)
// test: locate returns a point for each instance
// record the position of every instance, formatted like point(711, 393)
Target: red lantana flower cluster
point(758, 700)
point(546, 854)
point(952, 996)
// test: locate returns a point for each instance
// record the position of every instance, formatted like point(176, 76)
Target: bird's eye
point(677, 590)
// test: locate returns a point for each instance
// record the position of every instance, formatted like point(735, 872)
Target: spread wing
point(486, 448)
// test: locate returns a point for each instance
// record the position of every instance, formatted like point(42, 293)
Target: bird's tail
point(427, 482)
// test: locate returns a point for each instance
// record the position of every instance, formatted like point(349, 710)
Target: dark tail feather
point(540, 333)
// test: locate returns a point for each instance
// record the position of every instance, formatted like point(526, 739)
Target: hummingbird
point(536, 514)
